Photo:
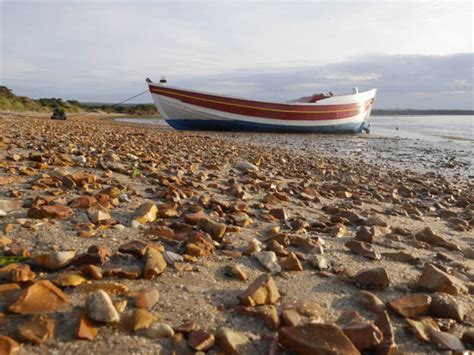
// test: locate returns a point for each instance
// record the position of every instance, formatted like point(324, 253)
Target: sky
point(418, 54)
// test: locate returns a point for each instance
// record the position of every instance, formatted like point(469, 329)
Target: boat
point(185, 109)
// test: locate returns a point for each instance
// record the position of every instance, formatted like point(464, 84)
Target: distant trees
point(10, 102)
point(130, 109)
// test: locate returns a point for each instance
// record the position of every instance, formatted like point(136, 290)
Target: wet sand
point(318, 191)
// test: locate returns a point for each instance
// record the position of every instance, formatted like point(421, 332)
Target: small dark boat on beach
point(186, 109)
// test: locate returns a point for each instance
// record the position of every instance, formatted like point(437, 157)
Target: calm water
point(425, 127)
point(433, 128)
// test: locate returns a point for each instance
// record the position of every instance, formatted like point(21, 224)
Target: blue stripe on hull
point(234, 125)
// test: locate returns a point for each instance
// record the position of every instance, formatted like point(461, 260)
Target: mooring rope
point(118, 103)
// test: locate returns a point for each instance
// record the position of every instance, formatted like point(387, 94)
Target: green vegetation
point(11, 102)
point(127, 109)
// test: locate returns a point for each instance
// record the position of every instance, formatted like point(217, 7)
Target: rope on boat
point(118, 103)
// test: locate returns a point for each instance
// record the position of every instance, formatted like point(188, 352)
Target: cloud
point(403, 81)
point(101, 50)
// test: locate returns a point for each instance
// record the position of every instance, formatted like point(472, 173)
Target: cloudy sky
point(419, 54)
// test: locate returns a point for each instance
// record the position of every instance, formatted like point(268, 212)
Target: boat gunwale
point(318, 103)
point(360, 106)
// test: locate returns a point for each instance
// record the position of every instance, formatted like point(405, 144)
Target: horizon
point(418, 55)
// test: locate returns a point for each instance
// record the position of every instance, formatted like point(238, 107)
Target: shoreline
point(315, 203)
point(400, 152)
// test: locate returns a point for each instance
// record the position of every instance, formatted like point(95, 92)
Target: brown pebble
point(262, 291)
point(411, 306)
point(201, 340)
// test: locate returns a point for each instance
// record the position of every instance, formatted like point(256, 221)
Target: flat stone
point(435, 280)
point(422, 327)
point(99, 307)
point(155, 263)
point(246, 166)
point(363, 249)
point(194, 218)
point(134, 247)
point(309, 309)
point(338, 231)
point(279, 213)
point(232, 342)
point(262, 291)
point(138, 319)
point(38, 330)
point(238, 271)
point(112, 288)
point(51, 212)
point(319, 262)
point(370, 301)
point(269, 260)
point(186, 327)
point(241, 219)
point(146, 213)
point(95, 255)
point(400, 256)
point(268, 313)
point(411, 306)
point(8, 346)
point(17, 272)
point(468, 338)
point(388, 345)
point(316, 338)
point(9, 205)
point(363, 334)
point(98, 215)
point(292, 263)
point(85, 329)
point(444, 305)
point(42, 296)
point(376, 278)
point(277, 248)
point(55, 260)
point(216, 230)
point(112, 191)
point(147, 299)
point(290, 318)
point(446, 341)
point(83, 202)
point(68, 279)
point(428, 236)
point(199, 244)
point(364, 234)
point(92, 271)
point(168, 211)
point(201, 340)
point(160, 330)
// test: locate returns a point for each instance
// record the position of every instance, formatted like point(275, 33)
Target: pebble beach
point(145, 240)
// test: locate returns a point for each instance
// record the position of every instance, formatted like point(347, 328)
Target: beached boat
point(186, 109)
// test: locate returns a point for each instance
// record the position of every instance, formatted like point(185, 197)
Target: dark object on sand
point(59, 114)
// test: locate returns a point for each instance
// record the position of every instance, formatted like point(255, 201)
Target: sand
point(354, 173)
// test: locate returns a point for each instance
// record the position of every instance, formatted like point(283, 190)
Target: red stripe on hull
point(263, 109)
